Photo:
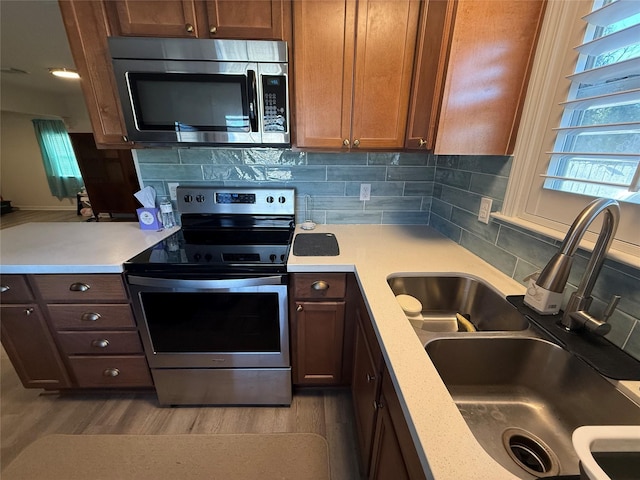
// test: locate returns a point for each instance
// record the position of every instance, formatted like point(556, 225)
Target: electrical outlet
point(172, 190)
point(365, 191)
point(485, 210)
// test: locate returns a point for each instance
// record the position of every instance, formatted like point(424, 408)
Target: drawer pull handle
point(90, 317)
point(111, 372)
point(28, 311)
point(102, 343)
point(320, 285)
point(4, 288)
point(370, 378)
point(79, 287)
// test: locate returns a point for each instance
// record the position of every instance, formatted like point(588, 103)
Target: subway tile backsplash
point(406, 188)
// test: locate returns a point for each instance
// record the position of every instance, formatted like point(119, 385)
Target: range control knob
point(270, 199)
point(208, 257)
point(197, 257)
point(188, 198)
point(200, 198)
point(272, 257)
point(282, 199)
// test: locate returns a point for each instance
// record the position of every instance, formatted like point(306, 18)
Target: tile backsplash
point(406, 188)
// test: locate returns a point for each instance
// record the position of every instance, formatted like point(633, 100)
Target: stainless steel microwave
point(206, 92)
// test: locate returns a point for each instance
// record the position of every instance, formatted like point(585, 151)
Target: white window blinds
point(597, 148)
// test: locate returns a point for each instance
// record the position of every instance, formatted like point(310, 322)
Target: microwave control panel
point(274, 88)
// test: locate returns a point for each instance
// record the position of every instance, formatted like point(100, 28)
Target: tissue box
point(149, 218)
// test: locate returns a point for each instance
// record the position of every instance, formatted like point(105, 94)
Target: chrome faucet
point(556, 273)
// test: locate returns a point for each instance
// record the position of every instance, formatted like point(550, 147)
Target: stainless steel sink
point(522, 398)
point(443, 297)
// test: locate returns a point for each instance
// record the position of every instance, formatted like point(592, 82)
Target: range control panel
point(241, 201)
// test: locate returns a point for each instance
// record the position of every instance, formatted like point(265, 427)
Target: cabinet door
point(364, 388)
point(488, 71)
point(318, 331)
point(109, 176)
point(30, 347)
point(386, 40)
point(169, 18)
point(324, 38)
point(387, 461)
point(253, 19)
point(14, 289)
point(87, 29)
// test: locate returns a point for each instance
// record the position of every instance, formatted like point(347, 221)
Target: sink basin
point(443, 297)
point(523, 397)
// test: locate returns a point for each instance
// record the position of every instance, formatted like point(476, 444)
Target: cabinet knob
point(422, 142)
point(370, 378)
point(90, 317)
point(79, 287)
point(345, 142)
point(320, 285)
point(4, 288)
point(101, 343)
point(189, 28)
point(125, 138)
point(111, 372)
point(356, 143)
point(213, 29)
point(377, 405)
point(28, 311)
point(299, 308)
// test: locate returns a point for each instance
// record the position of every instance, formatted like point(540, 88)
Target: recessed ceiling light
point(64, 72)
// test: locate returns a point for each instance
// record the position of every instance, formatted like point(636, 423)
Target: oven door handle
point(205, 284)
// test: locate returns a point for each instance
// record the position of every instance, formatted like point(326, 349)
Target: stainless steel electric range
point(211, 300)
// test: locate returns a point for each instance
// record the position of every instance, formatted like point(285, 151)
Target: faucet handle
point(611, 307)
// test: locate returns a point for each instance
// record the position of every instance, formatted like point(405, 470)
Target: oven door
point(228, 323)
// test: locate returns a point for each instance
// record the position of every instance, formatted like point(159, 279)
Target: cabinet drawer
point(100, 343)
point(319, 285)
point(14, 289)
point(91, 316)
point(81, 288)
point(111, 371)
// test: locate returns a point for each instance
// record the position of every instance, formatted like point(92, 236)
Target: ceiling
point(33, 39)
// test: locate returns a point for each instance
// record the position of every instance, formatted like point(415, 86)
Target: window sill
point(624, 257)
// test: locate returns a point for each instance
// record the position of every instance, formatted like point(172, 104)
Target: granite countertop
point(445, 443)
point(69, 247)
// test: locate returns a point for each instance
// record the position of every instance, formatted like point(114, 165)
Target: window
point(60, 164)
point(597, 149)
point(579, 136)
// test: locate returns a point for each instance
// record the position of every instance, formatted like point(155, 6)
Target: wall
point(23, 179)
point(460, 182)
point(401, 183)
point(406, 188)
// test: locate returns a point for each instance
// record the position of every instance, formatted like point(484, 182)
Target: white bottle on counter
point(166, 209)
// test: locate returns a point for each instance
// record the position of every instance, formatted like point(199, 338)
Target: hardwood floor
point(27, 414)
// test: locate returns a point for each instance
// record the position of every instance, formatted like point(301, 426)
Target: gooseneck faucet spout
point(555, 274)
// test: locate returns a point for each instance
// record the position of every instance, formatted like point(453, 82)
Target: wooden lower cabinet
point(29, 345)
point(386, 447)
point(72, 331)
point(318, 328)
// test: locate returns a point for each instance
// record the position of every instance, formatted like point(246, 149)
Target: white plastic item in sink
point(613, 438)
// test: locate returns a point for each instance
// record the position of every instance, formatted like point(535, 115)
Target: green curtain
point(60, 164)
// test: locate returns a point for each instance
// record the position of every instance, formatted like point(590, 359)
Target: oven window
point(190, 102)
point(212, 322)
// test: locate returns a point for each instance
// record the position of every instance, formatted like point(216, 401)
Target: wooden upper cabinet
point(252, 19)
point(353, 62)
point(87, 29)
point(255, 19)
point(169, 18)
point(471, 102)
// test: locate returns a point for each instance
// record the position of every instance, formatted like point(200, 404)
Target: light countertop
point(70, 247)
point(445, 443)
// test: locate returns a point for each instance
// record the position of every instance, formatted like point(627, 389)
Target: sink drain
point(529, 452)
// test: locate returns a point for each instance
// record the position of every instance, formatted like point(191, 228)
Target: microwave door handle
point(253, 99)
